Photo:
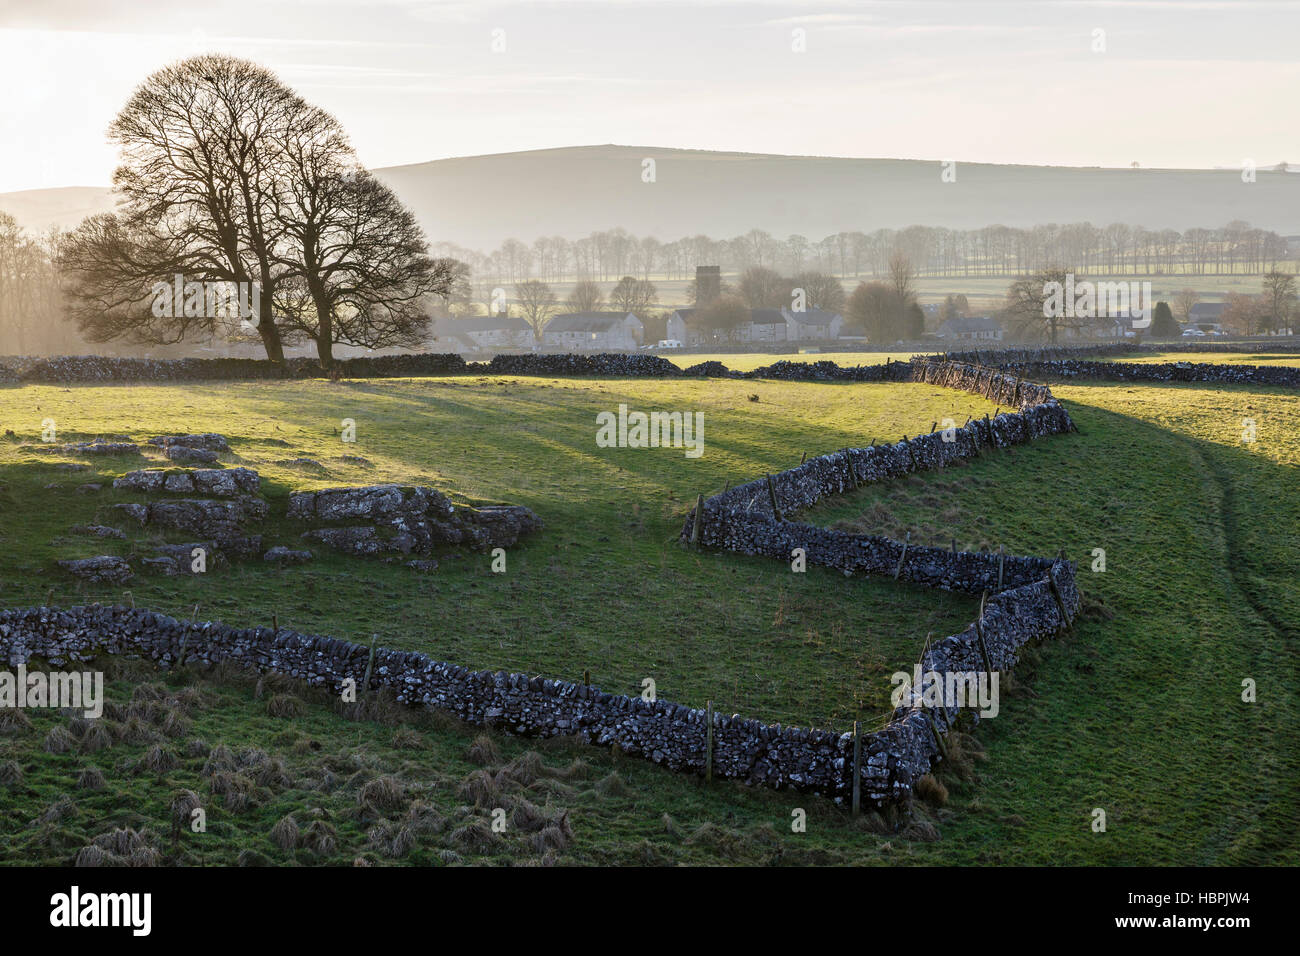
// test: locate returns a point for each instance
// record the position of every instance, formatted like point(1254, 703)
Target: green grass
point(747, 362)
point(1214, 358)
point(1137, 711)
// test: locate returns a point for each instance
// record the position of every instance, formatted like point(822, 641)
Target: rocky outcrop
point(378, 519)
point(97, 531)
point(101, 448)
point(104, 569)
point(205, 517)
point(208, 441)
point(222, 482)
point(282, 555)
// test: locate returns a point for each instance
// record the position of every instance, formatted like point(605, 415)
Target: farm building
point(594, 331)
point(975, 328)
point(486, 331)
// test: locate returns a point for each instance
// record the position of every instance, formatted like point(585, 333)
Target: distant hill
point(38, 209)
point(478, 201)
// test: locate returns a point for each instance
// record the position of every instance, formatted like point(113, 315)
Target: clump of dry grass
point(481, 789)
point(407, 738)
point(11, 773)
point(237, 791)
point(320, 840)
point(921, 831)
point(157, 759)
point(13, 721)
point(95, 738)
point(381, 795)
point(720, 840)
point(90, 778)
point(483, 751)
point(285, 705)
point(220, 759)
point(184, 803)
point(931, 790)
point(136, 731)
point(475, 836)
point(173, 724)
point(120, 847)
point(148, 691)
point(56, 811)
point(285, 834)
point(197, 747)
point(611, 786)
point(58, 741)
point(871, 822)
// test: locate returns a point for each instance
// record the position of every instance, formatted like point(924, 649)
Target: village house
point(764, 325)
point(593, 331)
point(680, 326)
point(812, 325)
point(975, 328)
point(485, 332)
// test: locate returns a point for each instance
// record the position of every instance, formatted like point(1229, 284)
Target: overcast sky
point(1179, 84)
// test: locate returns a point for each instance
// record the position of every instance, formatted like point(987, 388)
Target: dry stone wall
point(1030, 598)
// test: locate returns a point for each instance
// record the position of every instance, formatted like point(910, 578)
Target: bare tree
point(901, 275)
point(820, 290)
point(201, 175)
point(1280, 295)
point(633, 295)
point(1025, 308)
point(762, 288)
point(1184, 299)
point(228, 176)
point(585, 296)
point(537, 302)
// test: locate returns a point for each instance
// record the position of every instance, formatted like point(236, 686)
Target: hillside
point(478, 201)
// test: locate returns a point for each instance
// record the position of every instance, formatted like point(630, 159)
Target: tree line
point(994, 251)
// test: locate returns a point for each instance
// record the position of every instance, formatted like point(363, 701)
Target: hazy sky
point(1180, 83)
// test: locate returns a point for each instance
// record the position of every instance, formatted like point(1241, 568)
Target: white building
point(594, 332)
point(975, 328)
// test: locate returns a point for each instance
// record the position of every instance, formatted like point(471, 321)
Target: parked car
point(670, 344)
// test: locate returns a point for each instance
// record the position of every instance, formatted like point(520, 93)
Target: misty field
point(1137, 710)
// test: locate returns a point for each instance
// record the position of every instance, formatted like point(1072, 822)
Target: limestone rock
point(104, 569)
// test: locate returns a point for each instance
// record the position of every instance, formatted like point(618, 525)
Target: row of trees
point(1275, 309)
point(1116, 249)
point(31, 304)
point(229, 178)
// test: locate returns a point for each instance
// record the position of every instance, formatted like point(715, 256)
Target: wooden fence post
point(902, 557)
point(185, 638)
point(1001, 559)
point(771, 493)
point(697, 526)
point(857, 768)
point(370, 663)
point(708, 742)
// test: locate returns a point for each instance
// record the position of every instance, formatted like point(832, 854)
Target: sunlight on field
point(1219, 358)
point(748, 361)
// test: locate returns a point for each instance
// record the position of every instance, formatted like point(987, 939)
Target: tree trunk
point(267, 329)
point(325, 343)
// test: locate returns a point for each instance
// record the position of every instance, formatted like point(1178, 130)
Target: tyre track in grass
point(1270, 820)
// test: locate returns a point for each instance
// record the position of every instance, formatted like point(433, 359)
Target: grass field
point(747, 361)
point(1137, 711)
point(1220, 358)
